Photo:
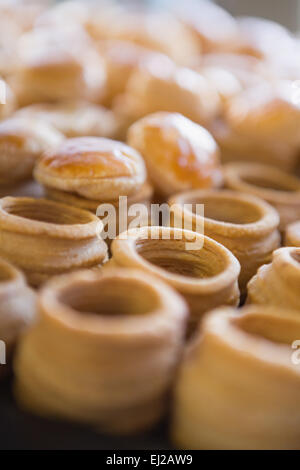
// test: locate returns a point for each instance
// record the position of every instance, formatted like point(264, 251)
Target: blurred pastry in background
point(179, 154)
point(278, 188)
point(157, 31)
point(292, 234)
point(159, 85)
point(248, 70)
point(58, 64)
point(213, 27)
point(121, 59)
point(261, 125)
point(237, 387)
point(74, 118)
point(22, 142)
point(278, 283)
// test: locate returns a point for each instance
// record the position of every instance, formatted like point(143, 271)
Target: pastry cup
point(292, 234)
point(278, 283)
point(143, 196)
point(245, 224)
point(98, 358)
point(199, 268)
point(44, 238)
point(280, 189)
point(238, 387)
point(17, 310)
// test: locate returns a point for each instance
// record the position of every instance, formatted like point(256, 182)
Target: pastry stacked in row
point(111, 113)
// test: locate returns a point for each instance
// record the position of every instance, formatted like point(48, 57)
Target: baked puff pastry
point(245, 224)
point(58, 64)
point(278, 283)
point(74, 118)
point(160, 85)
point(22, 141)
point(278, 188)
point(122, 349)
point(17, 310)
point(238, 385)
point(292, 234)
point(92, 168)
point(198, 267)
point(179, 153)
point(261, 124)
point(157, 31)
point(44, 238)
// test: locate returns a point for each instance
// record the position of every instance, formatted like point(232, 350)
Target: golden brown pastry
point(123, 350)
point(199, 268)
point(248, 70)
point(22, 141)
point(270, 40)
point(243, 223)
point(213, 27)
point(280, 189)
point(278, 283)
point(292, 234)
point(261, 124)
point(44, 238)
point(74, 118)
point(58, 64)
point(17, 310)
point(121, 59)
point(93, 168)
point(179, 153)
point(238, 387)
point(160, 85)
point(88, 172)
point(157, 31)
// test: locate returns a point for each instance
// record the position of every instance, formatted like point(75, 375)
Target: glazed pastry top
point(93, 167)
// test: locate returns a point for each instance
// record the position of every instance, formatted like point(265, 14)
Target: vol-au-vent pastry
point(198, 267)
point(44, 238)
point(92, 168)
point(214, 28)
point(157, 31)
point(17, 309)
point(160, 85)
point(87, 172)
point(292, 234)
point(278, 188)
point(179, 153)
point(278, 283)
point(243, 223)
point(261, 124)
point(22, 142)
point(58, 64)
point(99, 358)
point(238, 386)
point(121, 58)
point(248, 70)
point(74, 118)
point(271, 41)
